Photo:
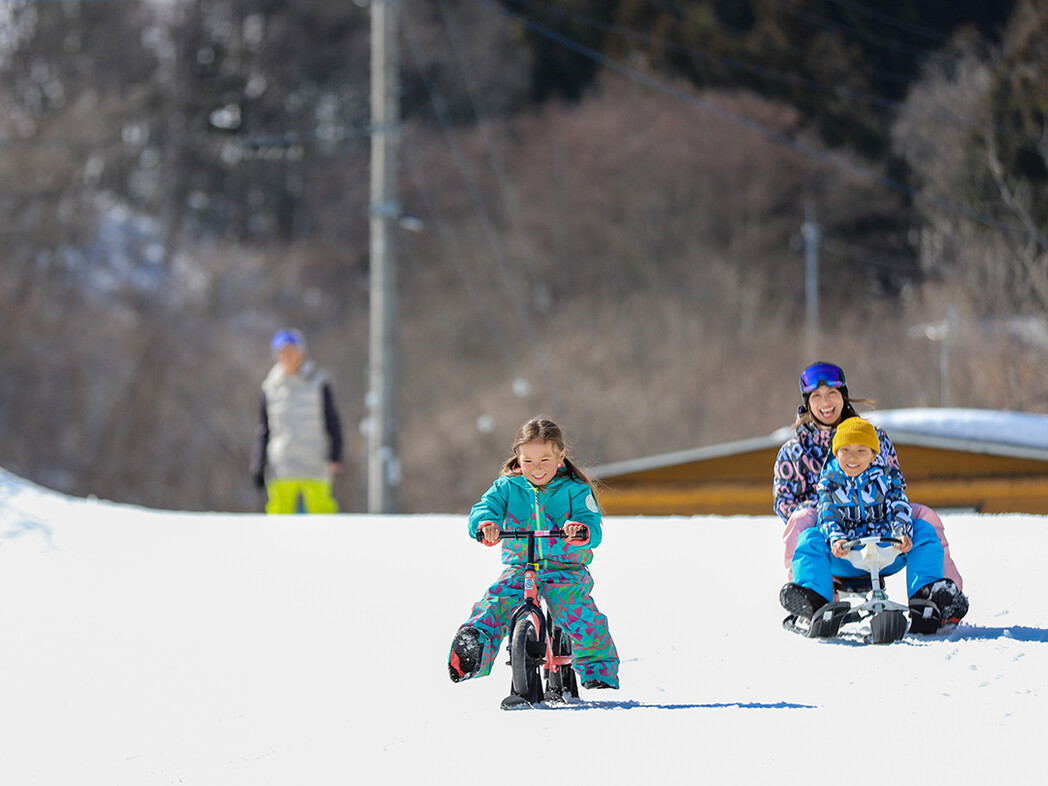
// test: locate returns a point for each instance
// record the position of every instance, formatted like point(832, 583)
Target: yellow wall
point(740, 484)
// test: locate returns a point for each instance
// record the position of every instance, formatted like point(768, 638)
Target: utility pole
point(812, 238)
point(383, 460)
point(942, 332)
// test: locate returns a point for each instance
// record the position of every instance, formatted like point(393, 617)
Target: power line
point(854, 32)
point(516, 297)
point(493, 327)
point(865, 256)
point(285, 139)
point(472, 190)
point(805, 55)
point(835, 160)
point(43, 2)
point(887, 19)
point(497, 165)
point(777, 75)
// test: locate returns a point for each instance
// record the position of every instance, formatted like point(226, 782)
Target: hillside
point(619, 250)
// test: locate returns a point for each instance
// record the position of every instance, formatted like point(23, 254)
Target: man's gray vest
point(298, 443)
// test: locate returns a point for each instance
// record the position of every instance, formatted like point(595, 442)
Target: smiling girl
point(825, 404)
point(539, 488)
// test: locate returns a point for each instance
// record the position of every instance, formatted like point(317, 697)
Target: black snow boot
point(949, 605)
point(800, 600)
point(466, 652)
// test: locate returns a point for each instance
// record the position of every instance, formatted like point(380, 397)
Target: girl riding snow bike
point(540, 490)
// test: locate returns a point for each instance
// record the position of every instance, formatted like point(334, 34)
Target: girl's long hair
point(547, 430)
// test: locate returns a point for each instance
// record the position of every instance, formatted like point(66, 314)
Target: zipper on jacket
point(538, 522)
point(862, 507)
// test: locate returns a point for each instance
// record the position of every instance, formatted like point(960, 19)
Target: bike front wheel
point(524, 661)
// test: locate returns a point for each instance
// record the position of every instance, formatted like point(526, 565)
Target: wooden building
point(981, 460)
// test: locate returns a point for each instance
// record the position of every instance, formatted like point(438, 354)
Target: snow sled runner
point(824, 623)
point(926, 617)
point(888, 621)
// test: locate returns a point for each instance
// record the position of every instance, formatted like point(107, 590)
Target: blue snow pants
point(814, 566)
point(567, 591)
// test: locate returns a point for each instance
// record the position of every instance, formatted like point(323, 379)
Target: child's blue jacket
point(873, 503)
point(513, 502)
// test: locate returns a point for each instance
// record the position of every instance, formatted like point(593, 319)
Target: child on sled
point(857, 498)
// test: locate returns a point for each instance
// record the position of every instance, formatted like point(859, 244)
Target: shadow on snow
point(13, 528)
point(640, 705)
point(963, 632)
point(980, 633)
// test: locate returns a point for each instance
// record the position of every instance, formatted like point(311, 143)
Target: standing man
point(299, 435)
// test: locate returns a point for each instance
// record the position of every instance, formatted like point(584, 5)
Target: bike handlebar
point(850, 544)
point(522, 534)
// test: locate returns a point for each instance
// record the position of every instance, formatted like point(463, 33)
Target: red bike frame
point(534, 605)
point(533, 600)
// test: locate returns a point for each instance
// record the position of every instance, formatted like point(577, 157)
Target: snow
point(148, 647)
point(1025, 429)
point(995, 427)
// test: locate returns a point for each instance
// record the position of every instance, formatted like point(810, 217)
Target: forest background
point(603, 208)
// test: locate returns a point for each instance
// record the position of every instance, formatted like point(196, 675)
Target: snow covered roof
point(980, 425)
point(1018, 434)
point(1021, 434)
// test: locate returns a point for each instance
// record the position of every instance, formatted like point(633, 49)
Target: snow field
point(144, 647)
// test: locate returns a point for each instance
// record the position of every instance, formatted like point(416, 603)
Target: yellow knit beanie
point(856, 431)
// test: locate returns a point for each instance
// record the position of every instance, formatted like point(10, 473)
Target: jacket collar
point(277, 375)
point(836, 474)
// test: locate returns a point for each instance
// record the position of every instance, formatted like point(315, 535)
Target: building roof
point(993, 432)
point(951, 458)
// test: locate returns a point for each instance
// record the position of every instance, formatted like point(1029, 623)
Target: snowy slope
point(143, 647)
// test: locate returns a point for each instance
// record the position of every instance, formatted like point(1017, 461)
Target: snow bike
point(534, 641)
point(888, 621)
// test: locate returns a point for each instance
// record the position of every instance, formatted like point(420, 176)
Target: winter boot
point(466, 652)
point(823, 618)
point(800, 600)
point(595, 684)
point(936, 604)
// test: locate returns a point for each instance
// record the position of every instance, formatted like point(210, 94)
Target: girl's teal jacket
point(513, 502)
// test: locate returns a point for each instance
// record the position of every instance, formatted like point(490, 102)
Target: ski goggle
point(822, 374)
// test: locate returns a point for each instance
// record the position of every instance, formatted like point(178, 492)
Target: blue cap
point(288, 338)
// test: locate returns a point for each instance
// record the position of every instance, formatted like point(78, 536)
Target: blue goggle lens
point(821, 374)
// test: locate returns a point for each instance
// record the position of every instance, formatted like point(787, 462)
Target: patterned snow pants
point(567, 591)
